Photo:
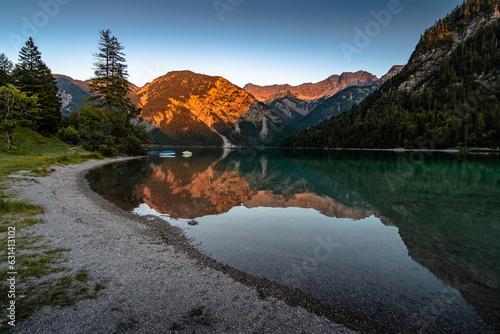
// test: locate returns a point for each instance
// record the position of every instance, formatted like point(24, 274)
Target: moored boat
point(167, 154)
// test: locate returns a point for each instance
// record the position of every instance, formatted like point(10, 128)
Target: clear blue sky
point(258, 41)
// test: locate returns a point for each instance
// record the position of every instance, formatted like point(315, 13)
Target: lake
point(412, 239)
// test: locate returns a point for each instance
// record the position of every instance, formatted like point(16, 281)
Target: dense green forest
point(458, 106)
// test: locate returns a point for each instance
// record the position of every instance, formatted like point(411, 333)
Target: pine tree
point(6, 67)
point(105, 122)
point(110, 84)
point(33, 76)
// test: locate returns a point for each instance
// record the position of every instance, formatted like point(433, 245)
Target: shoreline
point(476, 150)
point(155, 281)
point(402, 150)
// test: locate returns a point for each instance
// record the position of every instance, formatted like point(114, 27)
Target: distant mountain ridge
point(313, 91)
point(310, 103)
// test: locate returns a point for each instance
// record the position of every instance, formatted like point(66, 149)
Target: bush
point(69, 135)
point(133, 146)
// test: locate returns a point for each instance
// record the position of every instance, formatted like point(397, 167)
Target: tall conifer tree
point(6, 67)
point(33, 76)
point(110, 84)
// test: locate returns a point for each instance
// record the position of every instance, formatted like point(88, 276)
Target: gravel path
point(151, 285)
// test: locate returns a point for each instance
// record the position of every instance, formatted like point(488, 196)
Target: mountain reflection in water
point(191, 189)
point(444, 208)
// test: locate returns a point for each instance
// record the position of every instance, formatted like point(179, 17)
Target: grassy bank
point(35, 153)
point(42, 278)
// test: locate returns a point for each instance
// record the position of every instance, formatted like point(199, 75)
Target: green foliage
point(35, 153)
point(69, 135)
point(107, 131)
point(458, 107)
point(6, 67)
point(110, 85)
point(33, 76)
point(15, 109)
point(104, 123)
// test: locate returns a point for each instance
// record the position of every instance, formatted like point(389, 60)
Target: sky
point(245, 41)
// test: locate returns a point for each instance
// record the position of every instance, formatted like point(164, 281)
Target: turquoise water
point(412, 239)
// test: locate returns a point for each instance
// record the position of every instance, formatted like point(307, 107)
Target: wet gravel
point(156, 282)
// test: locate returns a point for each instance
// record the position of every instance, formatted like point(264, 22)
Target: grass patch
point(42, 279)
point(9, 206)
point(36, 153)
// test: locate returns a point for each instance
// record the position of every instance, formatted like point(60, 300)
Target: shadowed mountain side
point(439, 242)
point(73, 93)
point(336, 105)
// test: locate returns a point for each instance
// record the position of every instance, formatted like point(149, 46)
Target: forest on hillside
point(458, 107)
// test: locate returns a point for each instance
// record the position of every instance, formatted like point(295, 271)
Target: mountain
point(337, 104)
point(447, 96)
point(73, 92)
point(314, 91)
point(392, 72)
point(290, 106)
point(200, 110)
point(298, 103)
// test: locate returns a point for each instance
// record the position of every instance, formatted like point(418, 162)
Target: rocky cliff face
point(425, 62)
point(337, 104)
point(392, 72)
point(209, 99)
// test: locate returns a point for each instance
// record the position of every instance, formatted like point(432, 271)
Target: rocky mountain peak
point(314, 91)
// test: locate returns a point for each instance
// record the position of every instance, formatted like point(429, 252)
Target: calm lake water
point(412, 239)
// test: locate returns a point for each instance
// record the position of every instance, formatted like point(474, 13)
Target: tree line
point(29, 97)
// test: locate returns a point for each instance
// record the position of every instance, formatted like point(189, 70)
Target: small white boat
point(167, 154)
point(187, 154)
